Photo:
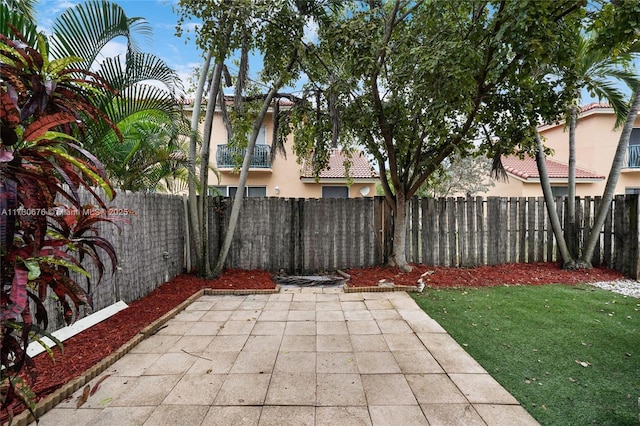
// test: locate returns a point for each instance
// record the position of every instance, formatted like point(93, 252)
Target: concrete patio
point(304, 356)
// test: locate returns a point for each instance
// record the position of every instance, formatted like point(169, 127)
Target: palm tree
point(19, 15)
point(597, 70)
point(142, 83)
point(151, 155)
point(23, 7)
point(85, 30)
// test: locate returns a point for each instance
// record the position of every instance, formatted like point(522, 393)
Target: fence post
point(635, 233)
point(632, 236)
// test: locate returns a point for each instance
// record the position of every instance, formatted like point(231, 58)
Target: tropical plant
point(143, 86)
point(24, 7)
point(147, 94)
point(45, 104)
point(151, 155)
point(600, 59)
point(598, 70)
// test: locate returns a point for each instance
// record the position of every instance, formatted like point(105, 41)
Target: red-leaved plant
point(44, 106)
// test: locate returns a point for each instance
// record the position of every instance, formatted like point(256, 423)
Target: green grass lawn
point(569, 354)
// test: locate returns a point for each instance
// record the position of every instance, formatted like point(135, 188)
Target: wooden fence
point(474, 231)
point(306, 236)
point(150, 244)
point(311, 235)
point(300, 235)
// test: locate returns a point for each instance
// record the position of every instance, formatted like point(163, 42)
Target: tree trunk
point(568, 261)
point(194, 217)
point(205, 272)
point(612, 180)
point(571, 227)
point(399, 254)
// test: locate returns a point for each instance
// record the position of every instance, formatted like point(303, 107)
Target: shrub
point(45, 106)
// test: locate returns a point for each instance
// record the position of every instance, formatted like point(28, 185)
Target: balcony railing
point(226, 157)
point(633, 157)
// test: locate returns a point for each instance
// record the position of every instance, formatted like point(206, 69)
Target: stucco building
point(596, 143)
point(286, 176)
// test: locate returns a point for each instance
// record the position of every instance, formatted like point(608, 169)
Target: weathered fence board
point(471, 232)
point(149, 239)
point(302, 236)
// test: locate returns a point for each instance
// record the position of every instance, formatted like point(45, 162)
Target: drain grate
point(309, 280)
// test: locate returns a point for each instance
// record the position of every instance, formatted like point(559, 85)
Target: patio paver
point(304, 356)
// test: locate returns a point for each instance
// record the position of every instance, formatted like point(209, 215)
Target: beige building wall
point(596, 143)
point(283, 178)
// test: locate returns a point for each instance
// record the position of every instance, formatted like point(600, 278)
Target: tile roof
point(526, 169)
point(594, 105)
point(360, 167)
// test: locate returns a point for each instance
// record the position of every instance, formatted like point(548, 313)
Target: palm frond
point(26, 8)
point(85, 29)
point(11, 15)
point(142, 97)
point(127, 71)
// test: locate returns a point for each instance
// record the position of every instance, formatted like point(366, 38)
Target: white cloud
point(58, 6)
point(48, 10)
point(311, 31)
point(111, 49)
point(185, 72)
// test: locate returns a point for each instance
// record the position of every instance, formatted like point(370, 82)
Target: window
point(634, 139)
point(633, 152)
point(257, 191)
point(335, 192)
point(560, 191)
point(249, 191)
point(631, 191)
point(218, 191)
point(262, 136)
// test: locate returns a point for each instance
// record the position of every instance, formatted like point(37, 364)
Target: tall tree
point(598, 59)
point(414, 81)
point(597, 70)
point(272, 30)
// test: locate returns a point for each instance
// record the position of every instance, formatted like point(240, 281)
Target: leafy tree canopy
point(415, 81)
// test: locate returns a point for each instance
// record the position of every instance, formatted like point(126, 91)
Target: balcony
point(633, 157)
point(228, 157)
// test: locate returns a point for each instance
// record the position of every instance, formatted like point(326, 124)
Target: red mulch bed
point(483, 276)
point(91, 346)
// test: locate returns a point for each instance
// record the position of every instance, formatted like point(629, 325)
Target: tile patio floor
point(311, 356)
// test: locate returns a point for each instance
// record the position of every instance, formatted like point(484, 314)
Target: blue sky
point(179, 54)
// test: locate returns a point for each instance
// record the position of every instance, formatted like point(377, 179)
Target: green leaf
point(23, 392)
point(58, 65)
point(37, 333)
point(51, 135)
point(61, 262)
point(97, 179)
point(33, 267)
